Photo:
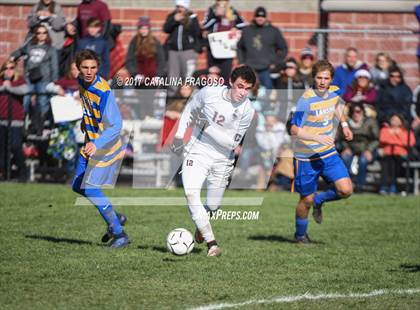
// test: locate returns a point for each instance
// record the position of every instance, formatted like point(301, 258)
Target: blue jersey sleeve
point(111, 118)
point(299, 116)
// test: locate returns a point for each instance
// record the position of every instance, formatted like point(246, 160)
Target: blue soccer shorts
point(307, 173)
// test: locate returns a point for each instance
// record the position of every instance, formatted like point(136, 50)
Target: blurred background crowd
point(383, 111)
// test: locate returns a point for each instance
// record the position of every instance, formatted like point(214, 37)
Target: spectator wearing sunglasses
point(394, 97)
point(41, 68)
point(13, 87)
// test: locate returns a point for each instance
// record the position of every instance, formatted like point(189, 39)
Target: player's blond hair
point(322, 65)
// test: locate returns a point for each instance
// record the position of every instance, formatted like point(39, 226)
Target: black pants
point(16, 141)
point(391, 166)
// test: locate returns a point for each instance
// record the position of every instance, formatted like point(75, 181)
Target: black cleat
point(108, 234)
point(119, 241)
point(303, 239)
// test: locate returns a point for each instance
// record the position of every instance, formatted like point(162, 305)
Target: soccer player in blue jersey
point(313, 126)
point(102, 152)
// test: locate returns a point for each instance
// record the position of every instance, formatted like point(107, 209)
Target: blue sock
point(328, 195)
point(301, 226)
point(104, 206)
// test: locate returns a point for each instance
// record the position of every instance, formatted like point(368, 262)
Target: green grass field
point(51, 255)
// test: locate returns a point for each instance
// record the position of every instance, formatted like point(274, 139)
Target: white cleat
point(214, 250)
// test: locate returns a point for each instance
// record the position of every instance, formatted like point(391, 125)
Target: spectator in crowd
point(49, 13)
point(183, 42)
point(394, 97)
point(361, 89)
point(145, 56)
point(417, 10)
point(95, 42)
point(66, 135)
point(365, 141)
point(290, 88)
point(379, 71)
point(173, 113)
point(12, 86)
point(344, 74)
point(211, 75)
point(270, 136)
point(415, 124)
point(88, 9)
point(305, 67)
point(262, 47)
point(67, 84)
point(41, 68)
point(221, 17)
point(68, 51)
point(395, 140)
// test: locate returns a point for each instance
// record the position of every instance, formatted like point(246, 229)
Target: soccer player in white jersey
point(220, 115)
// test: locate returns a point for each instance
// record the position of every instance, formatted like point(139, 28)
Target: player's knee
point(345, 191)
point(192, 195)
point(308, 201)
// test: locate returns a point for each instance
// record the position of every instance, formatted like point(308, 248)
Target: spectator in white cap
point(183, 42)
point(361, 89)
point(305, 67)
point(344, 74)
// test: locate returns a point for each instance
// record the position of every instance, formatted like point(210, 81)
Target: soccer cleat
point(317, 213)
point(214, 251)
point(198, 236)
point(108, 234)
point(302, 239)
point(119, 241)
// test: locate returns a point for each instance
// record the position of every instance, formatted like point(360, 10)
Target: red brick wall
point(401, 48)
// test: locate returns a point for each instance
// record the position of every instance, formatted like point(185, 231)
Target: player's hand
point(177, 146)
point(348, 134)
point(199, 119)
point(325, 140)
point(90, 149)
point(368, 155)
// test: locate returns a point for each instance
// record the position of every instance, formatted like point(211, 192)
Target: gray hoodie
point(39, 55)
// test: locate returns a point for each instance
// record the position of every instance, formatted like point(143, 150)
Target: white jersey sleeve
point(230, 140)
point(195, 102)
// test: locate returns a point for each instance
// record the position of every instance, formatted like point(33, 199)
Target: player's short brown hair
point(322, 65)
point(86, 55)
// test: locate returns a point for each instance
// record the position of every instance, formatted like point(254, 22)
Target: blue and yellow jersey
point(316, 115)
point(102, 122)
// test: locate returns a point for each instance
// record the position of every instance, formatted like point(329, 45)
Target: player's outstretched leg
point(343, 189)
point(301, 220)
point(104, 206)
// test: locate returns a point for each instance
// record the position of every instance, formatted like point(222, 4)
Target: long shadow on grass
point(162, 249)
point(59, 240)
point(277, 238)
point(410, 267)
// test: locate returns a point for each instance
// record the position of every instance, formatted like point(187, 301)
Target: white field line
point(172, 201)
point(307, 296)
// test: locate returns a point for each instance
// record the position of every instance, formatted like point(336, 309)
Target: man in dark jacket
point(394, 96)
point(262, 47)
point(182, 43)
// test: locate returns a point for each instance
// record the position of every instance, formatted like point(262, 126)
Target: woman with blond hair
point(12, 89)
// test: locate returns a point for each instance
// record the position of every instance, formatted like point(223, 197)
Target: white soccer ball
point(180, 241)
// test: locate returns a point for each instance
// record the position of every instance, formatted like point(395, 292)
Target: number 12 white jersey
point(228, 121)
